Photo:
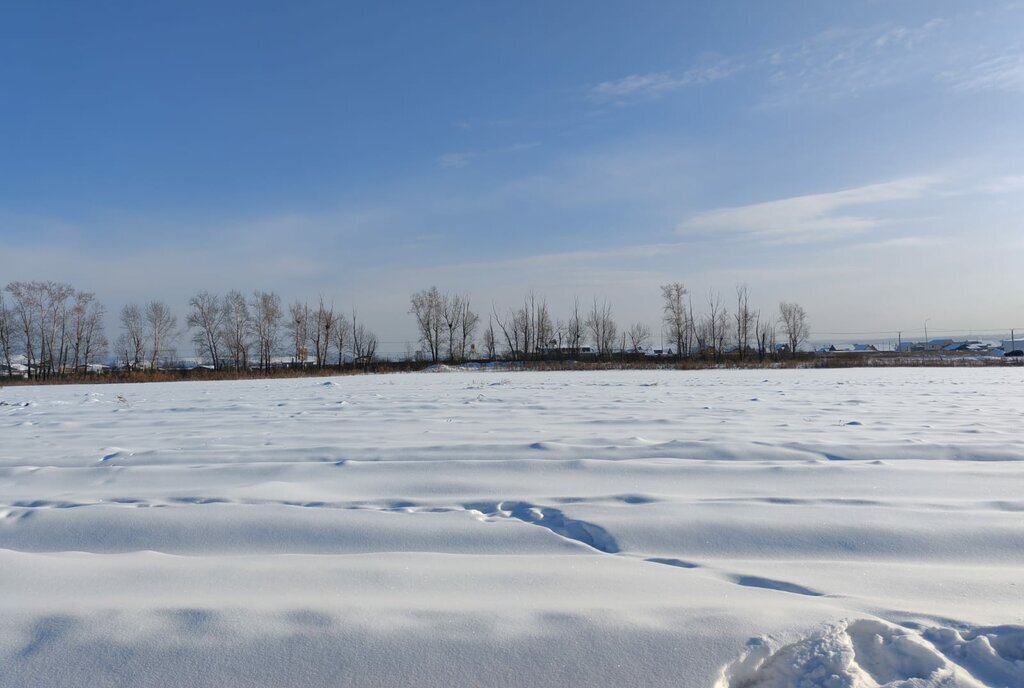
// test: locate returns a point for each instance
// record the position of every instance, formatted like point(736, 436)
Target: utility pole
point(899, 338)
point(926, 333)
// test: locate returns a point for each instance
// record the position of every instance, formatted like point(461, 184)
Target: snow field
point(854, 528)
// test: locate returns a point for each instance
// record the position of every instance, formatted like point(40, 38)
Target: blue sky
point(862, 158)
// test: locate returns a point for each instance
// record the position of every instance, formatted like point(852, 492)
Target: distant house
point(566, 351)
point(852, 348)
point(16, 370)
point(658, 353)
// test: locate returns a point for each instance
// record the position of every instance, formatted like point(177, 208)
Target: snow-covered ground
point(735, 529)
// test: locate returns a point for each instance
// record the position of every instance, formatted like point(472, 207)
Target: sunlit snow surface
point(851, 528)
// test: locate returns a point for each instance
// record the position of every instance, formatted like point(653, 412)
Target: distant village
point(942, 345)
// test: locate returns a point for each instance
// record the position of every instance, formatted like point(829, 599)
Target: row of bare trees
point(56, 327)
point(238, 332)
point(745, 331)
point(323, 333)
point(446, 327)
point(446, 324)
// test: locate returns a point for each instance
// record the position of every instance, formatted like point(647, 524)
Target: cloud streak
point(655, 84)
point(999, 73)
point(450, 161)
point(809, 218)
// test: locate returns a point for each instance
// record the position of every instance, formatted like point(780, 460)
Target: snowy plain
point(736, 529)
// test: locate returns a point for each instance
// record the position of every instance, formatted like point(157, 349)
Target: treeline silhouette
point(51, 330)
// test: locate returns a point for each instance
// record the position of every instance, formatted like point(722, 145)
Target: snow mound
point(868, 653)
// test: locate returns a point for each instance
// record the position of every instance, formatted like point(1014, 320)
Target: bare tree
point(51, 303)
point(639, 337)
point(266, 325)
point(451, 315)
point(490, 343)
point(323, 329)
point(26, 309)
point(342, 335)
point(427, 307)
point(692, 338)
point(364, 342)
point(744, 320)
point(468, 323)
point(207, 318)
point(764, 329)
point(58, 296)
point(236, 329)
point(714, 325)
point(509, 331)
point(7, 334)
point(601, 325)
point(543, 325)
point(793, 319)
point(160, 326)
point(574, 329)
point(132, 343)
point(87, 340)
point(300, 327)
point(42, 318)
point(674, 315)
point(93, 343)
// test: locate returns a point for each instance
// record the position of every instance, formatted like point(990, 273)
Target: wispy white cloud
point(845, 62)
point(464, 158)
point(810, 218)
point(1000, 185)
point(903, 242)
point(838, 61)
point(654, 84)
point(454, 160)
point(999, 73)
point(570, 259)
